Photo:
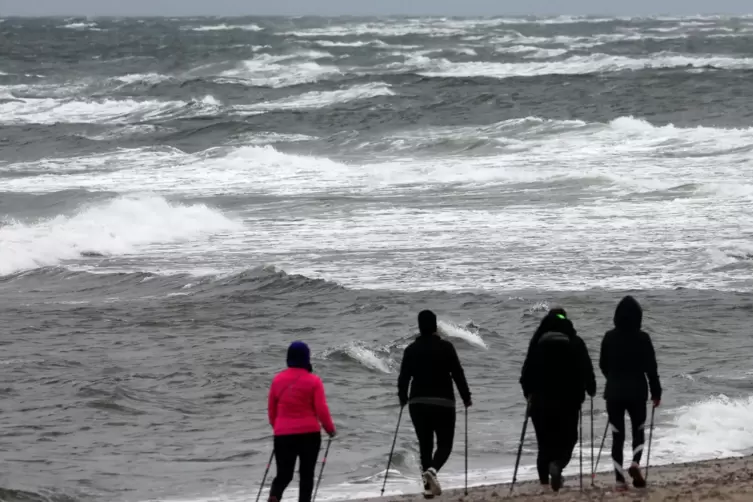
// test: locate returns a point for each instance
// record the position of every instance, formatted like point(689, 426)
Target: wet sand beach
point(728, 479)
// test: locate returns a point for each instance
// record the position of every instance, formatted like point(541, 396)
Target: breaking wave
point(321, 99)
point(117, 227)
point(579, 65)
point(53, 111)
point(358, 352)
point(468, 334)
point(225, 27)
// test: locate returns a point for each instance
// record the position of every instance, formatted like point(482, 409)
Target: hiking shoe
point(431, 478)
point(428, 494)
point(621, 487)
point(556, 475)
point(635, 473)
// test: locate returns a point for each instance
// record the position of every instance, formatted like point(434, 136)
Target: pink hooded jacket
point(297, 403)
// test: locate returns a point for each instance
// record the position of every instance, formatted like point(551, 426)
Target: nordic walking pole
point(598, 457)
point(466, 451)
point(592, 441)
point(392, 450)
point(650, 436)
point(520, 448)
point(321, 471)
point(264, 479)
point(581, 448)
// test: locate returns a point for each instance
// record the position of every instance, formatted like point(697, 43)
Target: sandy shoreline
point(728, 479)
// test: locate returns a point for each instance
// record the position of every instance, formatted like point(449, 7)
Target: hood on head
point(629, 314)
point(555, 321)
point(427, 322)
point(299, 356)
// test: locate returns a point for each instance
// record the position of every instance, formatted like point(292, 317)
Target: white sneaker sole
point(433, 483)
point(427, 486)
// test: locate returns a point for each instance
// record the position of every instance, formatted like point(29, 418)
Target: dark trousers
point(429, 420)
point(637, 411)
point(556, 426)
point(287, 450)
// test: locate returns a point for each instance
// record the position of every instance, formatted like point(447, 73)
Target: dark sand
point(723, 479)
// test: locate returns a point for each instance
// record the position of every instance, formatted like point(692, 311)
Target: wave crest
point(358, 352)
point(115, 227)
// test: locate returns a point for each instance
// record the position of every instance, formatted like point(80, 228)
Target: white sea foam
point(225, 27)
point(81, 26)
point(715, 427)
point(89, 165)
point(367, 357)
point(394, 29)
point(455, 331)
point(121, 226)
point(520, 141)
point(52, 111)
point(283, 71)
point(622, 173)
point(144, 78)
point(122, 132)
point(576, 65)
point(363, 43)
point(321, 99)
point(268, 138)
point(546, 53)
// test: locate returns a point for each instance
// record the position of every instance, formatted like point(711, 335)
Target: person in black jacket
point(556, 375)
point(627, 358)
point(429, 366)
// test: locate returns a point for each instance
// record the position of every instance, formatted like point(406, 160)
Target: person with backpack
point(627, 359)
point(429, 367)
point(556, 375)
point(297, 409)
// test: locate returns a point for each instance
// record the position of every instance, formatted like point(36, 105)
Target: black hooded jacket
point(557, 366)
point(430, 364)
point(628, 358)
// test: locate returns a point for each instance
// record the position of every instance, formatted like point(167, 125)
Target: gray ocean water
point(182, 198)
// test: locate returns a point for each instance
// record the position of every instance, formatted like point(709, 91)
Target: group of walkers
point(556, 376)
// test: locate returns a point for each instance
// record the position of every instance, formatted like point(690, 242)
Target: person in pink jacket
point(297, 407)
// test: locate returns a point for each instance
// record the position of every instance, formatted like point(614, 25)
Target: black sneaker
point(635, 473)
point(556, 475)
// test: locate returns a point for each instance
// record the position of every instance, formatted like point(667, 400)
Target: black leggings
point(428, 420)
point(287, 450)
point(556, 426)
point(637, 412)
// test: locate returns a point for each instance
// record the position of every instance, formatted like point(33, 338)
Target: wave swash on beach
point(180, 199)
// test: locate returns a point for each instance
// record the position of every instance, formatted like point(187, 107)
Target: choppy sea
point(182, 198)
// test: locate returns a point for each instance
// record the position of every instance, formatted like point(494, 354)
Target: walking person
point(297, 412)
point(627, 360)
point(557, 374)
point(429, 366)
